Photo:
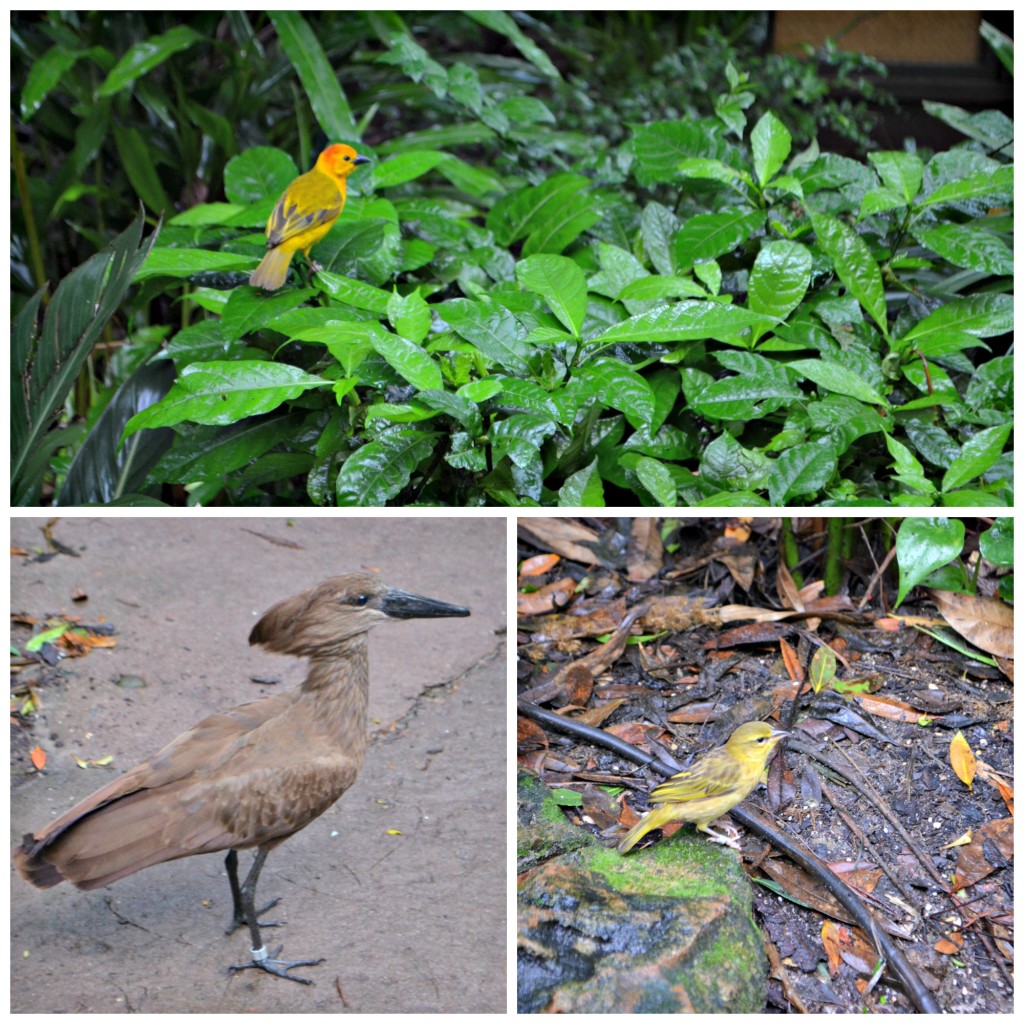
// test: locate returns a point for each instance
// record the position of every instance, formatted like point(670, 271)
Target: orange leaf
point(792, 661)
point(961, 757)
point(538, 565)
point(831, 939)
point(38, 756)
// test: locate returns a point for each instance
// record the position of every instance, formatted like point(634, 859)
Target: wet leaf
point(38, 756)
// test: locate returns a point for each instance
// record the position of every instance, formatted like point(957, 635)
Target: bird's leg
point(732, 841)
point(260, 957)
point(237, 914)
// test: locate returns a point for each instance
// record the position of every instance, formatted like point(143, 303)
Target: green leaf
point(44, 75)
point(493, 330)
point(103, 469)
point(770, 143)
point(260, 173)
point(996, 543)
point(836, 378)
point(899, 172)
point(909, 471)
point(225, 391)
point(406, 167)
point(502, 23)
point(621, 387)
point(687, 321)
point(656, 479)
point(970, 246)
point(924, 545)
point(710, 235)
point(658, 226)
point(186, 262)
point(560, 282)
point(410, 315)
point(995, 184)
point(710, 170)
point(805, 469)
point(583, 489)
point(211, 453)
point(415, 365)
point(136, 157)
point(319, 80)
point(662, 146)
point(355, 293)
point(855, 266)
point(144, 56)
point(519, 214)
point(779, 278)
point(380, 470)
point(983, 316)
point(45, 364)
point(977, 455)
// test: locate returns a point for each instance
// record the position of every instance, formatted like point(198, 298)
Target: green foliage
point(682, 310)
point(932, 550)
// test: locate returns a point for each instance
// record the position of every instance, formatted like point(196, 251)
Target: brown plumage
point(247, 777)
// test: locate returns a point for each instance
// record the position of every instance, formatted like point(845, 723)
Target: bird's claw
point(239, 920)
point(732, 841)
point(272, 965)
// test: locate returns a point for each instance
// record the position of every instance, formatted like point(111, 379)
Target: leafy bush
point(705, 317)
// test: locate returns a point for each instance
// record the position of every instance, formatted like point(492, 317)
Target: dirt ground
point(407, 923)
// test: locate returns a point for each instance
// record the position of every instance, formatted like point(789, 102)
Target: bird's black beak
point(361, 159)
point(400, 605)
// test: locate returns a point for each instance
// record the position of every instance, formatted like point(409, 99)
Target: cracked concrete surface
point(411, 921)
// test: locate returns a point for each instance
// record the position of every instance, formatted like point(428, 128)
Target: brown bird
point(248, 777)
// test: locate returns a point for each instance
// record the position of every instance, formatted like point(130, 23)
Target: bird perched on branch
point(305, 213)
point(247, 777)
point(712, 786)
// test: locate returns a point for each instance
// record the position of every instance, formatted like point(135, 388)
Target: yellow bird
point(714, 785)
point(305, 213)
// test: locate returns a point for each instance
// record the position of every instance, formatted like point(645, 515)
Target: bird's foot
point(315, 267)
point(732, 840)
point(239, 920)
point(271, 964)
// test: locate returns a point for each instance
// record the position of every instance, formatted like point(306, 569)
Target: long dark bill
point(400, 605)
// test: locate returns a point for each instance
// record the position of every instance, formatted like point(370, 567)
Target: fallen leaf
point(38, 756)
point(961, 757)
point(986, 622)
point(538, 565)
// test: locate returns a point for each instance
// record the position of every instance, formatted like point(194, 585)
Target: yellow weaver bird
point(305, 213)
point(712, 786)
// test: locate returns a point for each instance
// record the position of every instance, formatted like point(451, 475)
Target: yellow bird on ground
point(714, 785)
point(305, 213)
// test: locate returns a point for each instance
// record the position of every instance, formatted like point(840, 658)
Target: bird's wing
point(309, 202)
point(715, 774)
point(205, 744)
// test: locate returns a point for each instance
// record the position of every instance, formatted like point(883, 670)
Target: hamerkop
point(248, 777)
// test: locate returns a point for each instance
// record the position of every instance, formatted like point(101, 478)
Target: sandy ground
point(407, 923)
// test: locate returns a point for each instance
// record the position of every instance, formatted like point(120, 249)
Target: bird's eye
point(362, 599)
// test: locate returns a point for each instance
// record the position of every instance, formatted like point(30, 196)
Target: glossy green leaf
point(223, 392)
point(560, 282)
point(924, 545)
point(977, 456)
point(377, 472)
